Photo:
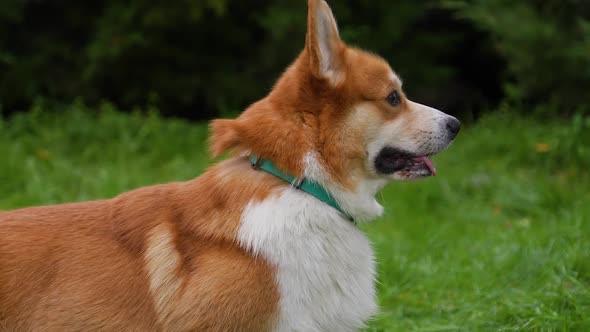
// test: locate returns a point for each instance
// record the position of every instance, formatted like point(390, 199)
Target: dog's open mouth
point(402, 164)
point(425, 161)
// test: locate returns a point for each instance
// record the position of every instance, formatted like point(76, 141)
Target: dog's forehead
point(383, 73)
point(371, 74)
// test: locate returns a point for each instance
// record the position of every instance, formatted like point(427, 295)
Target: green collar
point(312, 188)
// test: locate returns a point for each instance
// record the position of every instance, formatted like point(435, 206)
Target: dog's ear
point(224, 136)
point(323, 44)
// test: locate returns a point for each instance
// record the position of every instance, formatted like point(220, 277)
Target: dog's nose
point(453, 125)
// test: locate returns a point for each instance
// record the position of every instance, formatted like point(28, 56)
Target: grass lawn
point(499, 241)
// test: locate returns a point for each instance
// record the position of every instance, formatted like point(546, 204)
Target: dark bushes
point(546, 45)
point(200, 59)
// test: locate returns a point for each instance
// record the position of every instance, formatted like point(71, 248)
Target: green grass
point(499, 241)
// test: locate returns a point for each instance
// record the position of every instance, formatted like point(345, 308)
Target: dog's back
point(63, 264)
point(146, 260)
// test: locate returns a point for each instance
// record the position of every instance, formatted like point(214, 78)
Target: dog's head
point(339, 113)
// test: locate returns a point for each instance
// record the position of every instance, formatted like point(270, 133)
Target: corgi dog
point(263, 241)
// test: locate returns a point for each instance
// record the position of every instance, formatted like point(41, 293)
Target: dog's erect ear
point(323, 43)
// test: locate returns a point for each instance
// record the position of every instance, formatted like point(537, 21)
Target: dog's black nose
point(453, 125)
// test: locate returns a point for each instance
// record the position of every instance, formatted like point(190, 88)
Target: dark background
point(209, 58)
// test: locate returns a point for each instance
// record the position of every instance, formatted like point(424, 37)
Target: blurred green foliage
point(201, 59)
point(547, 47)
point(205, 58)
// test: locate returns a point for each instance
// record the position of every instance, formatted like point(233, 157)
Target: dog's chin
point(400, 165)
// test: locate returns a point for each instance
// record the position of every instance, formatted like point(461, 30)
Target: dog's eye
point(393, 99)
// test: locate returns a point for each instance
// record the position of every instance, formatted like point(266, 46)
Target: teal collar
point(312, 188)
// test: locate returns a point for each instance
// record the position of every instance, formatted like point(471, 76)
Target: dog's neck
point(359, 203)
point(304, 184)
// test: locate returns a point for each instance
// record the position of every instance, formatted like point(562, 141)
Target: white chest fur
point(325, 264)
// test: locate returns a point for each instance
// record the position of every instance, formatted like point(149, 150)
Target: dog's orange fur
point(82, 267)
point(166, 257)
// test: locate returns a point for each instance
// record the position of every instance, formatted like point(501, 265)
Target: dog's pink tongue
point(428, 163)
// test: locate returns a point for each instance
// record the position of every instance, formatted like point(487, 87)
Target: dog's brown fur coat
point(84, 266)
